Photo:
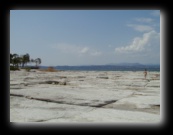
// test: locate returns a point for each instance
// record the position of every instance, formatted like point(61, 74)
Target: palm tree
point(37, 61)
point(25, 59)
point(15, 59)
point(18, 60)
point(32, 60)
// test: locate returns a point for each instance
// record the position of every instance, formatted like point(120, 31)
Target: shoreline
point(57, 70)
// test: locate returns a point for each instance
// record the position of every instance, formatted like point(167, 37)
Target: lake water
point(109, 68)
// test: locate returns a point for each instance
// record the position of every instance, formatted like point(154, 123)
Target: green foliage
point(13, 68)
point(37, 61)
point(16, 61)
point(25, 59)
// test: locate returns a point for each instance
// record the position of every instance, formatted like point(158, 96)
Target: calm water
point(109, 68)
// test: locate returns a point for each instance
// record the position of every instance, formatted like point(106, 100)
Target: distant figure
point(145, 73)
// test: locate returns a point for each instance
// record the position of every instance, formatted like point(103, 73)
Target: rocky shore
point(84, 96)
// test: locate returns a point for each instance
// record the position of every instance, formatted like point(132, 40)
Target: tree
point(32, 60)
point(19, 60)
point(37, 61)
point(11, 58)
point(25, 59)
point(15, 59)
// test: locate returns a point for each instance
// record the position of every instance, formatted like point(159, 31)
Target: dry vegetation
point(49, 69)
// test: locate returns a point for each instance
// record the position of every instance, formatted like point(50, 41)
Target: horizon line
point(113, 64)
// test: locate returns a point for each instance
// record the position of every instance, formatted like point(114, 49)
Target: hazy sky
point(86, 37)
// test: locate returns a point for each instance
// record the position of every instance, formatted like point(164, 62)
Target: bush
point(49, 69)
point(13, 68)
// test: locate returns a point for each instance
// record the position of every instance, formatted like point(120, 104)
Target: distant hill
point(126, 64)
point(131, 64)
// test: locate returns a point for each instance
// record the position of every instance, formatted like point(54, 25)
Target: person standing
point(145, 73)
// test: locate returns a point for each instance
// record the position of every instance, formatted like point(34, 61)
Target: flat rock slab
point(112, 116)
point(84, 96)
point(75, 96)
point(138, 103)
point(28, 110)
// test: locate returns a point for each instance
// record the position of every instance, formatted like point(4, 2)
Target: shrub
point(49, 69)
point(13, 68)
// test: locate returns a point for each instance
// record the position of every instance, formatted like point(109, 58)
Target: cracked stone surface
point(84, 96)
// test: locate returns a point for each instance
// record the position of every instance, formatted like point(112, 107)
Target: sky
point(86, 37)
